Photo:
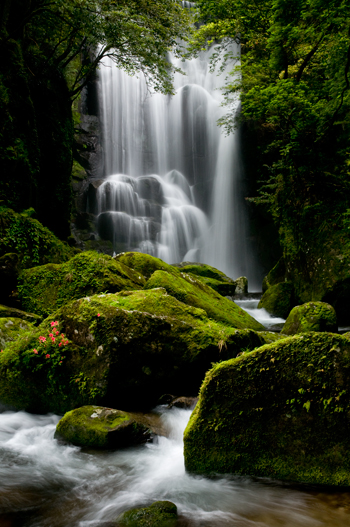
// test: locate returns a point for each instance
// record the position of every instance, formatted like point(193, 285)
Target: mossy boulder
point(13, 312)
point(209, 275)
point(275, 276)
point(281, 411)
point(312, 316)
point(159, 514)
point(119, 350)
point(11, 329)
point(145, 264)
point(100, 427)
point(188, 289)
point(33, 243)
point(241, 285)
point(278, 300)
point(45, 288)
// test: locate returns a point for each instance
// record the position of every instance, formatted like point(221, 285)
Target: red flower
point(53, 339)
point(60, 344)
point(60, 362)
point(62, 335)
point(98, 314)
point(47, 356)
point(2, 351)
point(42, 339)
point(50, 334)
point(35, 351)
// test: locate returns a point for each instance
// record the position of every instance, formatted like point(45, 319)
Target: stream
point(46, 483)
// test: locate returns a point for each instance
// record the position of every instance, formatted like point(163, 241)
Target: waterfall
point(171, 184)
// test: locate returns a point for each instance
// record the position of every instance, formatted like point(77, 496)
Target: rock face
point(216, 279)
point(159, 514)
point(44, 289)
point(278, 299)
point(190, 290)
point(120, 350)
point(281, 411)
point(11, 329)
point(312, 316)
point(145, 264)
point(99, 427)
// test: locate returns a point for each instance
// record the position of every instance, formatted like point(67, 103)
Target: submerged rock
point(11, 329)
point(44, 289)
point(281, 411)
point(278, 300)
point(159, 514)
point(312, 316)
point(99, 427)
point(188, 289)
point(120, 350)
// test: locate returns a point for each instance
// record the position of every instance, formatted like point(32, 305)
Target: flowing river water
point(44, 483)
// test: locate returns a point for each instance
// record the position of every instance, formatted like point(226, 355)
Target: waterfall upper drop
point(170, 174)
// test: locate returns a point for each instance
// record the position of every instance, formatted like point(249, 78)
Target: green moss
point(278, 300)
point(211, 277)
point(312, 316)
point(6, 311)
point(159, 514)
point(99, 427)
point(280, 411)
point(124, 351)
point(11, 329)
point(192, 291)
point(145, 264)
point(43, 289)
point(33, 243)
point(275, 276)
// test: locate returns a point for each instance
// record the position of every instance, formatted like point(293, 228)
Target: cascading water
point(171, 186)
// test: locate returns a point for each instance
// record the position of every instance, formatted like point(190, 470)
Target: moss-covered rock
point(6, 311)
point(45, 288)
point(120, 350)
point(281, 411)
point(275, 276)
point(191, 291)
point(312, 316)
point(159, 514)
point(100, 427)
point(209, 275)
point(11, 329)
point(241, 285)
point(30, 240)
point(278, 300)
point(145, 264)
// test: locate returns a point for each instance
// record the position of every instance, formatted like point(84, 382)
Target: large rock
point(188, 289)
point(44, 289)
point(120, 350)
point(281, 411)
point(278, 299)
point(145, 264)
point(11, 329)
point(312, 316)
point(99, 427)
point(159, 514)
point(13, 312)
point(275, 276)
point(209, 275)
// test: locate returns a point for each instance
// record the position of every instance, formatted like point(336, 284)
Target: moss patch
point(190, 290)
point(145, 263)
point(99, 427)
point(43, 289)
point(6, 311)
point(278, 300)
point(212, 277)
point(159, 514)
point(280, 411)
point(11, 329)
point(312, 316)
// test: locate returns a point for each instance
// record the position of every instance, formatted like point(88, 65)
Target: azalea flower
point(35, 351)
point(47, 356)
point(50, 334)
point(60, 344)
point(53, 339)
point(98, 314)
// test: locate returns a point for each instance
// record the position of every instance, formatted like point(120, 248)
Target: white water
point(48, 484)
point(261, 315)
point(172, 178)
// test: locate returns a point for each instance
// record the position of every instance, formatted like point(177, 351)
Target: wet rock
point(212, 277)
point(100, 427)
point(43, 289)
point(312, 316)
point(281, 411)
point(159, 514)
point(241, 285)
point(6, 311)
point(11, 329)
point(184, 402)
point(278, 299)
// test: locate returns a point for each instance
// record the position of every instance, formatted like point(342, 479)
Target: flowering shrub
point(50, 348)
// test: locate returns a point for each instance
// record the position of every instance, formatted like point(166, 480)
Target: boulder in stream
point(312, 316)
point(281, 411)
point(278, 299)
point(216, 279)
point(159, 514)
point(100, 427)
